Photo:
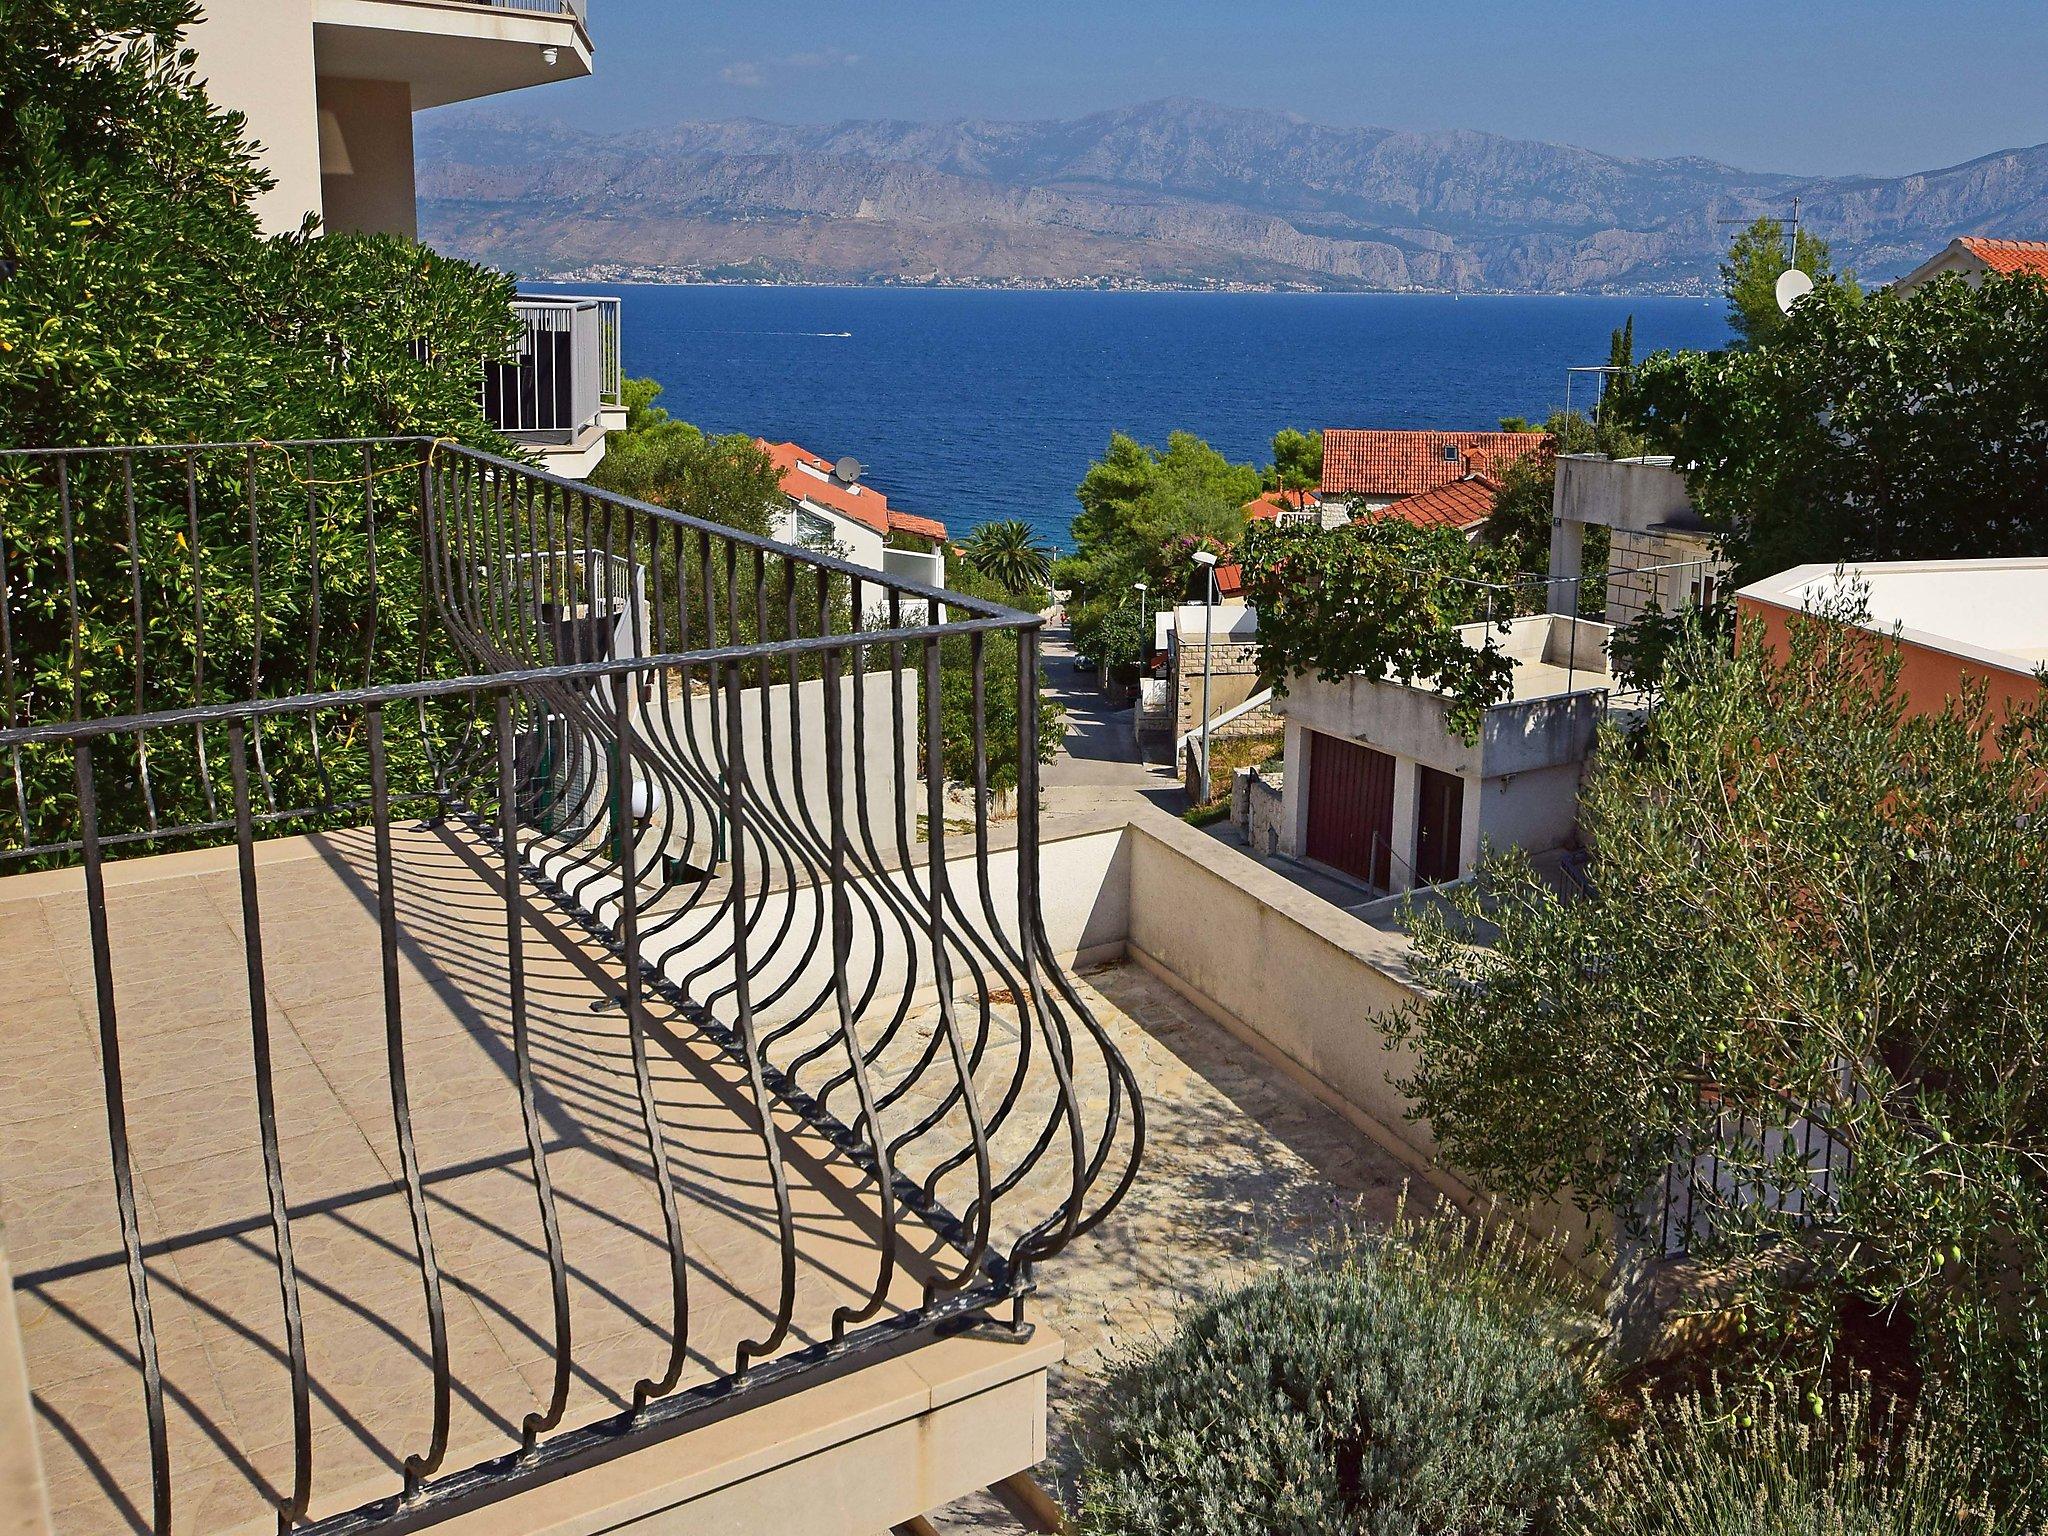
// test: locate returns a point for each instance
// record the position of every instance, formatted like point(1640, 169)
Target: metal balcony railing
point(556, 747)
point(566, 369)
point(576, 8)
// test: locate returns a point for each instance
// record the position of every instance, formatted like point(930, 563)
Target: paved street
point(1098, 763)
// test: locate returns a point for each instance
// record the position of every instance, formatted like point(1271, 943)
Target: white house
point(825, 504)
point(1379, 787)
point(1973, 259)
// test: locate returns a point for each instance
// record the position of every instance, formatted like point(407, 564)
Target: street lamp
point(1207, 561)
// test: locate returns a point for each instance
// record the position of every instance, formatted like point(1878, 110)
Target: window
point(1451, 453)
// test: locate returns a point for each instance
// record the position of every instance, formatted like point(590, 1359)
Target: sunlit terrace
point(503, 981)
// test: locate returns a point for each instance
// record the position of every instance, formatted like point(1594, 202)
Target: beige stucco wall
point(366, 179)
point(1286, 970)
point(256, 57)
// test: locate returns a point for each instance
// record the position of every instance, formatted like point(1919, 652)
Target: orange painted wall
point(1929, 678)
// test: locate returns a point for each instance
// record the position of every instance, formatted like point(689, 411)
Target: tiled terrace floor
point(181, 986)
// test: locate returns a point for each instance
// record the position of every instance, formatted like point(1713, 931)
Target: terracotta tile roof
point(1269, 506)
point(1230, 580)
point(1463, 504)
point(806, 477)
point(910, 522)
point(1371, 463)
point(2009, 256)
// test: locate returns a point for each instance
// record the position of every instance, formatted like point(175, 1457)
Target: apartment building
point(329, 89)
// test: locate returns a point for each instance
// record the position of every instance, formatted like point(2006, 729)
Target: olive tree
point(1808, 896)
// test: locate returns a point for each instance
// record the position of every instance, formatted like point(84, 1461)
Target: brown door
point(1350, 807)
point(1439, 825)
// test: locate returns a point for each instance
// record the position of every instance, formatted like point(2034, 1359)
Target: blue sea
point(970, 406)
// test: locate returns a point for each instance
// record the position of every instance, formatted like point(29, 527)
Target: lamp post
point(1207, 561)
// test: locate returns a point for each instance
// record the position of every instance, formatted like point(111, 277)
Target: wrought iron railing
point(761, 779)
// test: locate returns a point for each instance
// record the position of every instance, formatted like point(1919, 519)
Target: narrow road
point(1098, 762)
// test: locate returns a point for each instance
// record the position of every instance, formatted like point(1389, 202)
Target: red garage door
point(1350, 807)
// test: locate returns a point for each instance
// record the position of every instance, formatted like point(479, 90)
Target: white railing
point(565, 371)
point(610, 372)
point(575, 8)
point(922, 565)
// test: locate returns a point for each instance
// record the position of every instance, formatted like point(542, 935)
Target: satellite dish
point(850, 469)
point(1793, 285)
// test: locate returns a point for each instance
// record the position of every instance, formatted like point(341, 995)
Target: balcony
point(554, 396)
point(452, 50)
point(511, 1022)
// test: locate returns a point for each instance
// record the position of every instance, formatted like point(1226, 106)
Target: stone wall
point(1255, 802)
point(1629, 595)
point(1233, 678)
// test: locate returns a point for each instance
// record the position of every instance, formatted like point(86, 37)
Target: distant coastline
point(689, 277)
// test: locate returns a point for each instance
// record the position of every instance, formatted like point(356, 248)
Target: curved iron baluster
point(292, 1507)
point(535, 1424)
point(767, 1344)
point(117, 1138)
point(423, 1464)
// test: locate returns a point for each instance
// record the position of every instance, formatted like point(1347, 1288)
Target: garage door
point(1350, 807)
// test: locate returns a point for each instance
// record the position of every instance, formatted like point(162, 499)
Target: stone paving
point(1244, 1170)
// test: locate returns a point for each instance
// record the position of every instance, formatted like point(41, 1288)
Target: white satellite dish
point(850, 469)
point(1793, 285)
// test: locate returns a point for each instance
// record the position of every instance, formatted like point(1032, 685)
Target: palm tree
point(1009, 554)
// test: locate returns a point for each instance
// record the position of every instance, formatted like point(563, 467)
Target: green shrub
point(1411, 1383)
point(1773, 1466)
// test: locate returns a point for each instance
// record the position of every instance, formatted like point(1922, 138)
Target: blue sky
point(1826, 86)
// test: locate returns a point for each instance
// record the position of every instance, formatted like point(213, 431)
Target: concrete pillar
point(1294, 793)
point(1401, 873)
point(1468, 829)
point(1567, 561)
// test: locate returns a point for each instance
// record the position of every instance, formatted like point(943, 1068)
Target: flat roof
point(1989, 611)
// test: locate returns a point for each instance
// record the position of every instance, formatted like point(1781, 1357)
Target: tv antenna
point(1793, 284)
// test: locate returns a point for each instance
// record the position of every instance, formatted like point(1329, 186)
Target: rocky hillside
point(1173, 192)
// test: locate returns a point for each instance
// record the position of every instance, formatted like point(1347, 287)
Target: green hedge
point(1417, 1382)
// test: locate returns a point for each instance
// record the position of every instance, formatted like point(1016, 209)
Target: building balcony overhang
point(451, 50)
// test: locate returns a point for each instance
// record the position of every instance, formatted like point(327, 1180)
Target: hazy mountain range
point(1168, 193)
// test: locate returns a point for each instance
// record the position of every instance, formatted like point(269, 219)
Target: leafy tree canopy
point(1903, 426)
point(1135, 498)
point(1381, 597)
point(1297, 461)
point(1750, 273)
point(1806, 898)
point(145, 304)
point(727, 479)
point(140, 302)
